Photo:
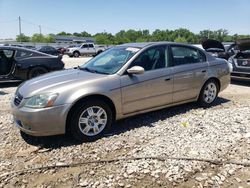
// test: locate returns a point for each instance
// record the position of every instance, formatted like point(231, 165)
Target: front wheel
point(209, 93)
point(90, 120)
point(76, 54)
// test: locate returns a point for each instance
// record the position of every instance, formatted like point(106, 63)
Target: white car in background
point(87, 49)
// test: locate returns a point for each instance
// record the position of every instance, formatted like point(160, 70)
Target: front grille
point(18, 99)
point(243, 63)
point(240, 74)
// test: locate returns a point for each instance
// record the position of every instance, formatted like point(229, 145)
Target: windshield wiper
point(91, 70)
point(86, 69)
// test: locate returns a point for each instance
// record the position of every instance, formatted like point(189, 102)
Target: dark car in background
point(237, 54)
point(48, 50)
point(240, 61)
point(22, 64)
point(216, 48)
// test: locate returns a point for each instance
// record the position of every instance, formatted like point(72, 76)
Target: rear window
point(23, 54)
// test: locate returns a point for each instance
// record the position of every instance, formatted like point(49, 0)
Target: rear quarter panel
point(49, 63)
point(219, 68)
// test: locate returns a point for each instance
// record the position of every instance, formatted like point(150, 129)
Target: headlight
point(230, 64)
point(41, 101)
point(230, 61)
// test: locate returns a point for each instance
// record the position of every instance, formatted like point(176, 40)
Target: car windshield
point(110, 61)
point(74, 45)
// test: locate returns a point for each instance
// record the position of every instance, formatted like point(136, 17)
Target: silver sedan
point(123, 81)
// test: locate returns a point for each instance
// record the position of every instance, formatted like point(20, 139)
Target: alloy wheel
point(210, 92)
point(92, 120)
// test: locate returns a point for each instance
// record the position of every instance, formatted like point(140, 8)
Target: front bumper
point(41, 122)
point(240, 75)
point(68, 53)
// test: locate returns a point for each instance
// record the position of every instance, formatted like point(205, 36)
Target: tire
point(76, 54)
point(100, 51)
point(36, 71)
point(209, 93)
point(84, 120)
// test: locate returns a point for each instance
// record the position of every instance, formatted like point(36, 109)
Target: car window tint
point(8, 53)
point(21, 54)
point(91, 45)
point(50, 48)
point(185, 55)
point(153, 58)
point(85, 46)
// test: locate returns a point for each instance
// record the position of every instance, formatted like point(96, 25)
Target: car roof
point(23, 49)
point(147, 44)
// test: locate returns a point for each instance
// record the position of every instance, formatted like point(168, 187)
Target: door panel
point(190, 71)
point(151, 89)
point(188, 80)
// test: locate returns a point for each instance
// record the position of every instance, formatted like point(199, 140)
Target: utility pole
point(40, 29)
point(20, 28)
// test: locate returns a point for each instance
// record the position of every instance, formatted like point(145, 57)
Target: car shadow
point(147, 119)
point(241, 82)
point(3, 93)
point(9, 84)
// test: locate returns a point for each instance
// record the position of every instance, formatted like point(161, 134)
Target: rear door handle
point(167, 79)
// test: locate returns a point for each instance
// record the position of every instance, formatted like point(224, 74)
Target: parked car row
point(75, 50)
point(237, 54)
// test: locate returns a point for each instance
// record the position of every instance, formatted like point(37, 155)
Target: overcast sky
point(113, 15)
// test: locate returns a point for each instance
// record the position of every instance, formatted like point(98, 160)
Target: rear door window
point(23, 54)
point(186, 55)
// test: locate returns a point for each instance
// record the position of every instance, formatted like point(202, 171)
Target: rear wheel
point(209, 93)
point(36, 71)
point(90, 120)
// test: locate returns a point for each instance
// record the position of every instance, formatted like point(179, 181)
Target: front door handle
point(204, 71)
point(167, 79)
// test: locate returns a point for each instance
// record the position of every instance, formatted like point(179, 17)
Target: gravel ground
point(221, 132)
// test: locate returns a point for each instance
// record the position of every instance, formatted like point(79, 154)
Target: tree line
point(126, 36)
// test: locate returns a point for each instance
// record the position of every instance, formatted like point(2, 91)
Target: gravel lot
point(221, 132)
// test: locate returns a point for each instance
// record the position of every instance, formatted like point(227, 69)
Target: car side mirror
point(136, 70)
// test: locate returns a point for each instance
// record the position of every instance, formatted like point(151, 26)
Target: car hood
point(73, 48)
point(243, 44)
point(57, 81)
point(210, 43)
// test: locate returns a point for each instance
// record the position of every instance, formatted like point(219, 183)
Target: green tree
point(63, 33)
point(180, 39)
point(104, 38)
point(50, 38)
point(85, 34)
point(38, 38)
point(22, 38)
